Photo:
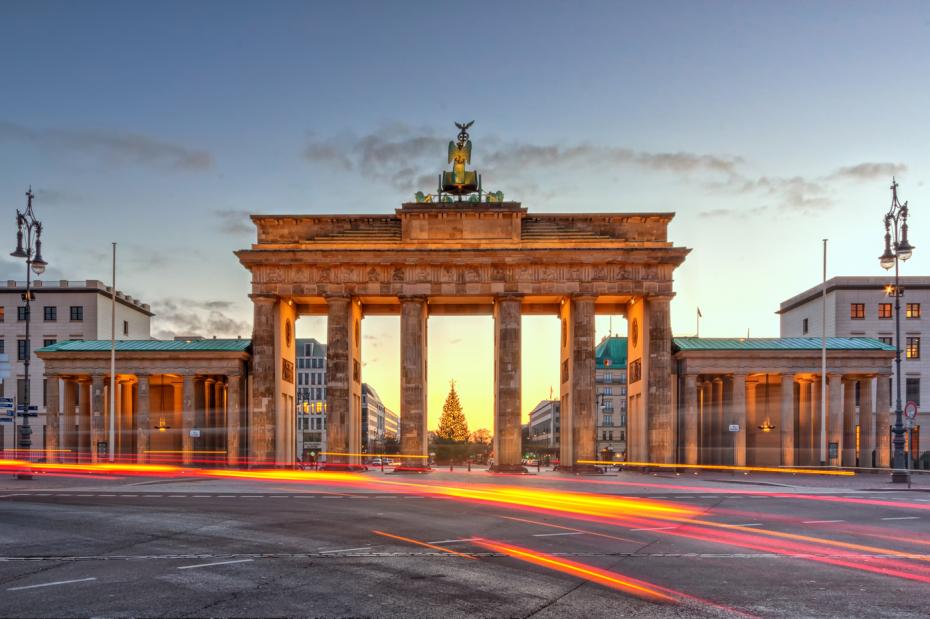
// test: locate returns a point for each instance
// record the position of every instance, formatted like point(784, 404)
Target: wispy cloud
point(180, 316)
point(398, 154)
point(869, 171)
point(110, 147)
point(233, 221)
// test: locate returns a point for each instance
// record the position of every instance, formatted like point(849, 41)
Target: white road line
point(332, 497)
point(821, 521)
point(172, 496)
point(452, 541)
point(902, 518)
point(219, 496)
point(278, 496)
point(749, 524)
point(250, 496)
point(122, 496)
point(323, 552)
point(106, 495)
point(653, 529)
point(50, 584)
point(557, 534)
point(191, 567)
point(207, 496)
point(304, 496)
point(388, 496)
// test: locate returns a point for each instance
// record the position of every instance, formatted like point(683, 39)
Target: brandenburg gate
point(463, 251)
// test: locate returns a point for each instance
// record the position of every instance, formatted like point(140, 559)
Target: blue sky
point(765, 126)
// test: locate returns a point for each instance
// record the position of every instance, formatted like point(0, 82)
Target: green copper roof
point(210, 345)
point(778, 343)
point(612, 349)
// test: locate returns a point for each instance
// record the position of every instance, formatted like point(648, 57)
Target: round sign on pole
point(910, 409)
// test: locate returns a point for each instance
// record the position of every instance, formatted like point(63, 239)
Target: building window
point(77, 313)
point(20, 391)
point(2, 347)
point(913, 310)
point(884, 311)
point(608, 391)
point(48, 342)
point(21, 313)
point(608, 377)
point(22, 349)
point(125, 327)
point(608, 420)
point(857, 311)
point(913, 348)
point(804, 326)
point(912, 389)
point(885, 339)
point(50, 313)
point(2, 312)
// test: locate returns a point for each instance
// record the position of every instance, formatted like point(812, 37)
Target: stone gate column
point(233, 405)
point(52, 419)
point(738, 416)
point(97, 432)
point(143, 417)
point(413, 356)
point(84, 421)
point(660, 412)
point(849, 423)
point(507, 376)
point(264, 399)
point(787, 420)
point(577, 412)
point(188, 416)
point(817, 422)
point(866, 423)
point(343, 374)
point(691, 419)
point(208, 430)
point(883, 421)
point(835, 418)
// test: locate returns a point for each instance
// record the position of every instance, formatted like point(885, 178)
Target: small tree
point(452, 424)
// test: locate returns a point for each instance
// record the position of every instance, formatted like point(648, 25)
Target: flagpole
point(823, 361)
point(112, 437)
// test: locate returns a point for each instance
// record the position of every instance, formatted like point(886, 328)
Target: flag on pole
point(700, 315)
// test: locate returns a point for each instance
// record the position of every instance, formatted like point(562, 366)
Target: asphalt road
point(130, 547)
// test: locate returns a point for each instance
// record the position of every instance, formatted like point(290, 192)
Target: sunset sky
point(765, 126)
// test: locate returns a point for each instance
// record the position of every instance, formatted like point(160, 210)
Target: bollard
point(469, 465)
point(450, 465)
point(538, 465)
point(382, 465)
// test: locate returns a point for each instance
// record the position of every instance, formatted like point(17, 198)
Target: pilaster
point(883, 421)
point(507, 385)
point(691, 419)
point(787, 420)
point(413, 355)
point(849, 422)
point(52, 419)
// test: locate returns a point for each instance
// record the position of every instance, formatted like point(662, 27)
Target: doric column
point(188, 416)
point(84, 434)
point(660, 412)
point(143, 417)
point(219, 418)
point(507, 376)
point(343, 417)
point(577, 414)
point(787, 419)
point(691, 419)
point(233, 409)
point(866, 423)
point(97, 432)
point(883, 421)
point(817, 417)
point(849, 423)
point(716, 423)
point(52, 419)
point(752, 420)
point(69, 435)
point(125, 417)
point(208, 430)
point(804, 422)
point(835, 417)
point(413, 321)
point(264, 399)
point(737, 417)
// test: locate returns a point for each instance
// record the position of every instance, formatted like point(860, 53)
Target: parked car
point(375, 462)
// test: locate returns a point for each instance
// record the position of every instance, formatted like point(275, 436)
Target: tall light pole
point(897, 248)
point(30, 228)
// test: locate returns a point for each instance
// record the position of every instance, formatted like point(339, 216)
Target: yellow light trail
point(724, 467)
point(425, 544)
point(340, 453)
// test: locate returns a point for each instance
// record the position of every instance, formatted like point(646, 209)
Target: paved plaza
point(465, 544)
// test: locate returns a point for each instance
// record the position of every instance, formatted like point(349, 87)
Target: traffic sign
point(910, 409)
point(22, 407)
point(6, 420)
point(195, 433)
point(734, 427)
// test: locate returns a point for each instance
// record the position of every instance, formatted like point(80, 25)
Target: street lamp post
point(897, 248)
point(31, 228)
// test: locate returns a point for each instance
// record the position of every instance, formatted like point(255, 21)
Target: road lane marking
point(191, 567)
point(821, 521)
point(452, 541)
point(323, 552)
point(424, 544)
point(653, 529)
point(555, 534)
point(749, 524)
point(50, 584)
point(304, 496)
point(902, 518)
